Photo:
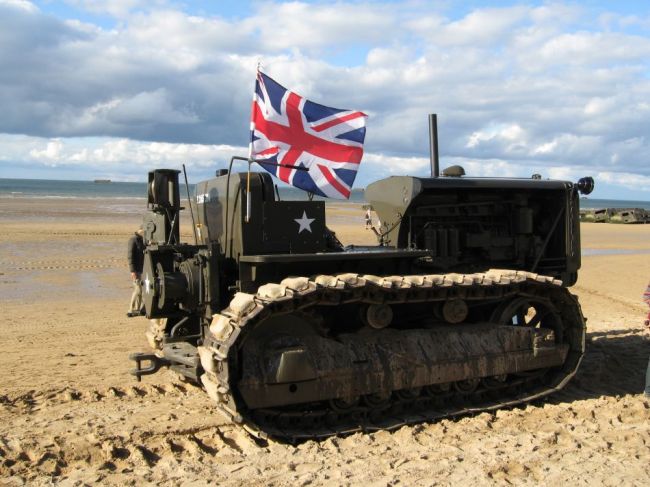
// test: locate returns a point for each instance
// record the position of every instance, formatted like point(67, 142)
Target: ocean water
point(44, 188)
point(589, 203)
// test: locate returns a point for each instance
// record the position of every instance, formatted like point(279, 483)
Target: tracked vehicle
point(461, 307)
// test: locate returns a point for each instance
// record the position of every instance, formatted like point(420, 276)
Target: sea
point(47, 188)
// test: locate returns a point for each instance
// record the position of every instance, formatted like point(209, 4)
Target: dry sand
point(70, 414)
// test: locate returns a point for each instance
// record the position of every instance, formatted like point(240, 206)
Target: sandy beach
point(71, 414)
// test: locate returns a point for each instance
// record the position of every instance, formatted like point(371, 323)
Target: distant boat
point(102, 181)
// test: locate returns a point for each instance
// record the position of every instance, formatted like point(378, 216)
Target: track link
point(219, 352)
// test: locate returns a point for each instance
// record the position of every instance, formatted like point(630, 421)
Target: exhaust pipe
point(433, 145)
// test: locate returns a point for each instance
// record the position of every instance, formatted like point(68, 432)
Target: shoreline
point(585, 204)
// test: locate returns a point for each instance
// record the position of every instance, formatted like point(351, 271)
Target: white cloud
point(599, 105)
point(600, 48)
point(302, 25)
point(512, 134)
point(51, 152)
point(395, 166)
point(184, 42)
point(625, 180)
point(516, 88)
point(20, 4)
point(546, 148)
point(565, 173)
point(482, 26)
point(146, 106)
point(116, 8)
point(106, 151)
point(134, 158)
point(556, 13)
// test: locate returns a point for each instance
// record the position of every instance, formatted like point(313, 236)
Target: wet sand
point(70, 414)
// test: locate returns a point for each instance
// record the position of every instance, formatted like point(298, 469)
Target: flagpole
point(250, 153)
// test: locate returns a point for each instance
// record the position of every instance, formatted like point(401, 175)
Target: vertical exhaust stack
point(433, 145)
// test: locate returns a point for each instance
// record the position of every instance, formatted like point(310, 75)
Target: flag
point(307, 145)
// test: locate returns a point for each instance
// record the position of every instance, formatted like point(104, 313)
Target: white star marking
point(146, 283)
point(304, 222)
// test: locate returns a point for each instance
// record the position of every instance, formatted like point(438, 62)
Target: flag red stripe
point(336, 121)
point(269, 151)
point(332, 180)
point(289, 159)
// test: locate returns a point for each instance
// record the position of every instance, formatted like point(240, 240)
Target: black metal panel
point(495, 183)
point(290, 227)
point(473, 224)
point(272, 226)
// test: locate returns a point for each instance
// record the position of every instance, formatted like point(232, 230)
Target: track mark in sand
point(578, 290)
point(74, 264)
point(70, 430)
point(37, 455)
point(509, 471)
point(162, 452)
point(32, 401)
point(58, 233)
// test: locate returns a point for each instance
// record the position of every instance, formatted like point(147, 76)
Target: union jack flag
point(307, 145)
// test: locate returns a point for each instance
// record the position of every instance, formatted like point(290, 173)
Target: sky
point(112, 89)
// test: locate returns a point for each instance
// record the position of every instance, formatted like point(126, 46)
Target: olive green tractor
point(462, 306)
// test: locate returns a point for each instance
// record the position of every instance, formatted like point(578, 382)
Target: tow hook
point(154, 364)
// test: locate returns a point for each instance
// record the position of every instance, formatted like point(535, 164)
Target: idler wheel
point(531, 312)
point(379, 316)
point(455, 311)
point(466, 386)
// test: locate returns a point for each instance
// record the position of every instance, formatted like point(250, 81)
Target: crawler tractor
point(461, 307)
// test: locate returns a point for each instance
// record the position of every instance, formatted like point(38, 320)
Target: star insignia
point(147, 284)
point(304, 222)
